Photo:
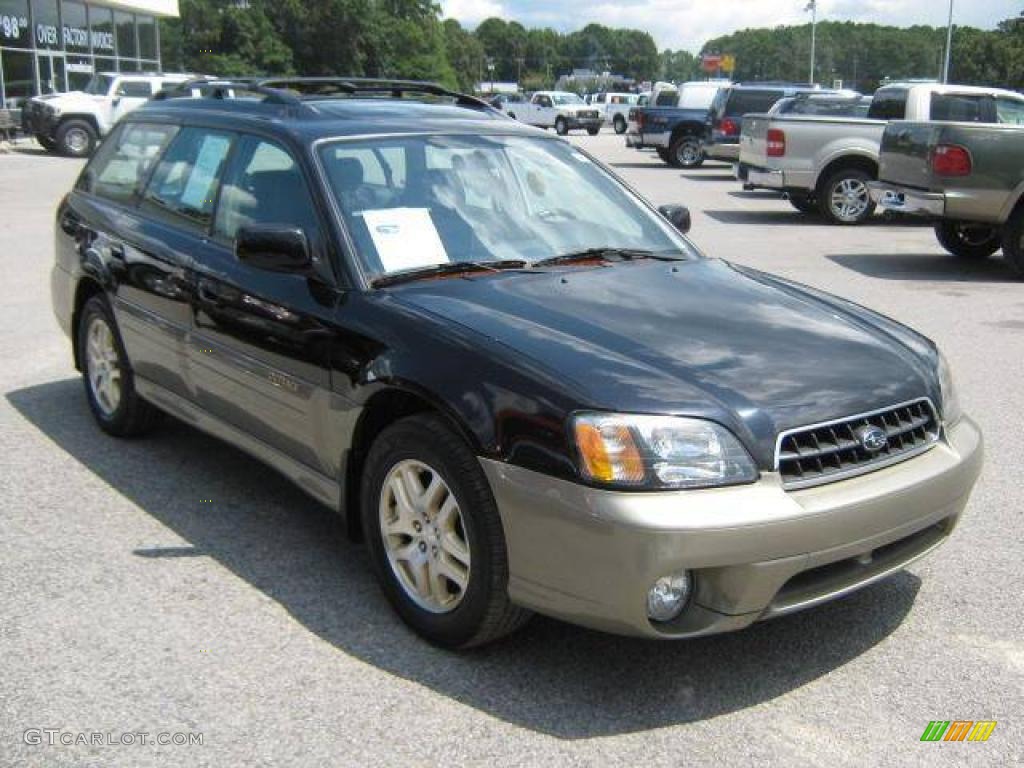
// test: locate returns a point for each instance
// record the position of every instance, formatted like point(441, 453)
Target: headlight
point(659, 452)
point(951, 412)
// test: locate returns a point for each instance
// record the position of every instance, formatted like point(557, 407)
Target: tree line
point(409, 39)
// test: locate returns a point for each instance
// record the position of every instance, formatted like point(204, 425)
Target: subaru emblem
point(872, 438)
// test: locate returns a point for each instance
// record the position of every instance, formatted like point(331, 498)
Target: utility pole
point(813, 8)
point(949, 44)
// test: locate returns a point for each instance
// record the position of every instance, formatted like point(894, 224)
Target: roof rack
point(331, 86)
point(217, 88)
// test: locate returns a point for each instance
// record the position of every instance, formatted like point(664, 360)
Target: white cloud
point(689, 23)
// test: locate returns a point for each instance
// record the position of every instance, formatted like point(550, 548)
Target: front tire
point(686, 152)
point(435, 535)
point(107, 374)
point(968, 241)
point(561, 126)
point(76, 138)
point(1013, 242)
point(619, 123)
point(844, 197)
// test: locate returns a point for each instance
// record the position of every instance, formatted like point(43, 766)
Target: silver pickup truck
point(968, 177)
point(824, 164)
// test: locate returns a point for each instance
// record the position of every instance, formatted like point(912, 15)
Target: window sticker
point(405, 238)
point(197, 192)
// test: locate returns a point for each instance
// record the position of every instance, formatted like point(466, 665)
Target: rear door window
point(121, 167)
point(748, 102)
point(959, 107)
point(184, 185)
point(889, 104)
point(1009, 111)
point(135, 89)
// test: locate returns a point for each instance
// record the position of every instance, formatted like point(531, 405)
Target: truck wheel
point(803, 203)
point(594, 131)
point(107, 374)
point(844, 197)
point(619, 124)
point(561, 126)
point(966, 240)
point(435, 536)
point(686, 152)
point(1013, 242)
point(76, 138)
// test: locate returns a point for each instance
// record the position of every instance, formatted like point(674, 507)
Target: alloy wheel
point(424, 536)
point(850, 199)
point(103, 366)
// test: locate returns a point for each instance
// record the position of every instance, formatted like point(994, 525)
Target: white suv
point(72, 123)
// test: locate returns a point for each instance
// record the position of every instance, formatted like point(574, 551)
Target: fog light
point(666, 598)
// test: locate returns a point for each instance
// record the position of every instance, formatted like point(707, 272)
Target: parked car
point(725, 117)
point(964, 176)
point(73, 123)
point(615, 107)
point(508, 103)
point(465, 336)
point(562, 111)
point(824, 163)
point(676, 130)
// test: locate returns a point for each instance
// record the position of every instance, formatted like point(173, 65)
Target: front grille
point(834, 450)
point(588, 114)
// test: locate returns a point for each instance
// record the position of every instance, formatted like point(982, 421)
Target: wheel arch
point(87, 288)
point(384, 408)
point(686, 129)
point(85, 117)
point(860, 161)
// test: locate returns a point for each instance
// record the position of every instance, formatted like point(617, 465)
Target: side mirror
point(678, 216)
point(273, 247)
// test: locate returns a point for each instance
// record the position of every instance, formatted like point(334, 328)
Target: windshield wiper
point(606, 254)
point(447, 268)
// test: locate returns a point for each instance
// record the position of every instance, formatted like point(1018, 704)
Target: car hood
point(701, 338)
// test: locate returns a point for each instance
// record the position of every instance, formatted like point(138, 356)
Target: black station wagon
point(521, 384)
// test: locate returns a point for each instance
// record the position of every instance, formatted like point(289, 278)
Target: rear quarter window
point(667, 99)
point(958, 107)
point(748, 102)
point(119, 169)
point(889, 104)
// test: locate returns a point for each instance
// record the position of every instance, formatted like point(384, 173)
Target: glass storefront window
point(14, 27)
point(19, 77)
point(74, 27)
point(147, 36)
point(125, 23)
point(46, 22)
point(101, 32)
point(80, 70)
point(105, 65)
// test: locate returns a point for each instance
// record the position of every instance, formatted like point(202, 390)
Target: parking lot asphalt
point(173, 585)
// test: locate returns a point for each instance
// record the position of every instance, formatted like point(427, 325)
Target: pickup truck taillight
point(776, 143)
point(729, 127)
point(951, 160)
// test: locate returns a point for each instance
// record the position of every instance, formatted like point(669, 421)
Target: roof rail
point(328, 86)
point(218, 88)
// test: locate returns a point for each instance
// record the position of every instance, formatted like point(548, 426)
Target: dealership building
point(48, 46)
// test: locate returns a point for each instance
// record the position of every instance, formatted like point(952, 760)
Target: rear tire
point(76, 138)
point(1013, 242)
point(401, 468)
point(686, 152)
point(107, 374)
point(619, 123)
point(561, 126)
point(803, 203)
point(844, 199)
point(968, 241)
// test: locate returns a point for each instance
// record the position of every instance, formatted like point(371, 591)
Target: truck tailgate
point(753, 145)
point(905, 157)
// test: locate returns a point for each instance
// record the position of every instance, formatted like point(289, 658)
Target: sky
point(688, 24)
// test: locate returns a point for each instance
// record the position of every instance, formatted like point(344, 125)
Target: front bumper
point(37, 121)
point(589, 556)
point(892, 197)
point(584, 122)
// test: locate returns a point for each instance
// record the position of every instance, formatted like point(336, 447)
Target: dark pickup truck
point(675, 129)
point(967, 177)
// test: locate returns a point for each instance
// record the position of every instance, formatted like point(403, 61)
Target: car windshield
point(566, 98)
point(417, 201)
point(98, 85)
